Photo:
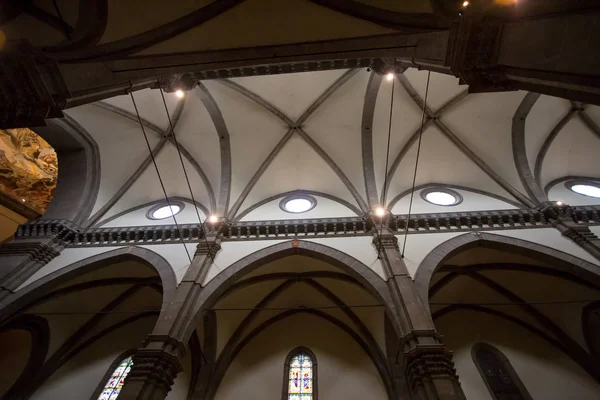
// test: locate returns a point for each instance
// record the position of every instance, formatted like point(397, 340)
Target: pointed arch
point(30, 293)
point(559, 260)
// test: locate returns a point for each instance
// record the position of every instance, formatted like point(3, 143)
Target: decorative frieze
point(38, 252)
point(74, 236)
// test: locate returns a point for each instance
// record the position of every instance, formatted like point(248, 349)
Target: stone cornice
point(74, 236)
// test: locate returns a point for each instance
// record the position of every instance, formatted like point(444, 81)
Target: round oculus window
point(298, 204)
point(441, 197)
point(589, 189)
point(162, 211)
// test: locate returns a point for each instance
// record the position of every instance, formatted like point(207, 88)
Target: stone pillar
point(564, 218)
point(156, 365)
point(36, 243)
point(428, 365)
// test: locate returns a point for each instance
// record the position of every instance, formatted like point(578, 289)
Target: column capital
point(385, 241)
point(210, 248)
point(430, 365)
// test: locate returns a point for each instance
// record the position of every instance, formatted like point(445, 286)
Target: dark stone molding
point(35, 251)
point(489, 220)
point(173, 200)
point(589, 334)
point(561, 261)
point(146, 39)
point(40, 287)
point(368, 115)
point(505, 361)
point(401, 21)
point(555, 182)
point(79, 169)
point(253, 207)
point(425, 362)
point(39, 331)
point(286, 371)
point(528, 179)
point(444, 186)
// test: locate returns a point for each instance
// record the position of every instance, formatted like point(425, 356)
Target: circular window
point(163, 210)
point(585, 188)
point(441, 197)
point(297, 204)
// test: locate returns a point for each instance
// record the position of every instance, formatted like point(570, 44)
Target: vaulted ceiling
point(246, 143)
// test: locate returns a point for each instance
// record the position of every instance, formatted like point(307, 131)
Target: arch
point(300, 350)
point(561, 261)
point(372, 282)
point(484, 353)
point(109, 372)
point(39, 331)
point(78, 169)
point(147, 257)
point(591, 330)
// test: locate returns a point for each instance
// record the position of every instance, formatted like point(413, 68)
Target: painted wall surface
point(545, 371)
point(15, 347)
point(79, 378)
point(344, 370)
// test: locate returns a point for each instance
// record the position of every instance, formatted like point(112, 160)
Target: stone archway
point(561, 261)
point(147, 257)
point(372, 282)
point(354, 272)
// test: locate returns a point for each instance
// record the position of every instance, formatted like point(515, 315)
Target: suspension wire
point(412, 191)
point(202, 223)
point(492, 304)
point(387, 159)
point(158, 173)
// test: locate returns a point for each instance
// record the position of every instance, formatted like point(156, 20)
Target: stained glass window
point(499, 376)
point(115, 383)
point(300, 385)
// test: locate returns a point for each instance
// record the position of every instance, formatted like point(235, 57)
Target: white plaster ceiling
point(248, 142)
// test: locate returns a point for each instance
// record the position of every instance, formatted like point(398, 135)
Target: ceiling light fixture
point(297, 204)
point(441, 197)
point(380, 211)
point(559, 203)
point(213, 219)
point(465, 3)
point(390, 76)
point(180, 93)
point(584, 188)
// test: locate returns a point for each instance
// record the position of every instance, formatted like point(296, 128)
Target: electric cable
point(412, 191)
point(387, 159)
point(202, 224)
point(159, 177)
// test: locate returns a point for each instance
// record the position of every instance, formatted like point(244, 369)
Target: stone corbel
point(31, 87)
point(472, 55)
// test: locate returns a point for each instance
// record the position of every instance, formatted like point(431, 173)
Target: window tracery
point(497, 373)
point(300, 375)
point(113, 386)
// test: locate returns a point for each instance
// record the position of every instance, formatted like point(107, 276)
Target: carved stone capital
point(386, 241)
point(472, 54)
point(425, 363)
point(152, 368)
point(61, 231)
point(209, 249)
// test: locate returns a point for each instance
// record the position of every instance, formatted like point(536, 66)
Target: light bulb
point(390, 76)
point(559, 203)
point(213, 219)
point(465, 3)
point(380, 211)
point(180, 93)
